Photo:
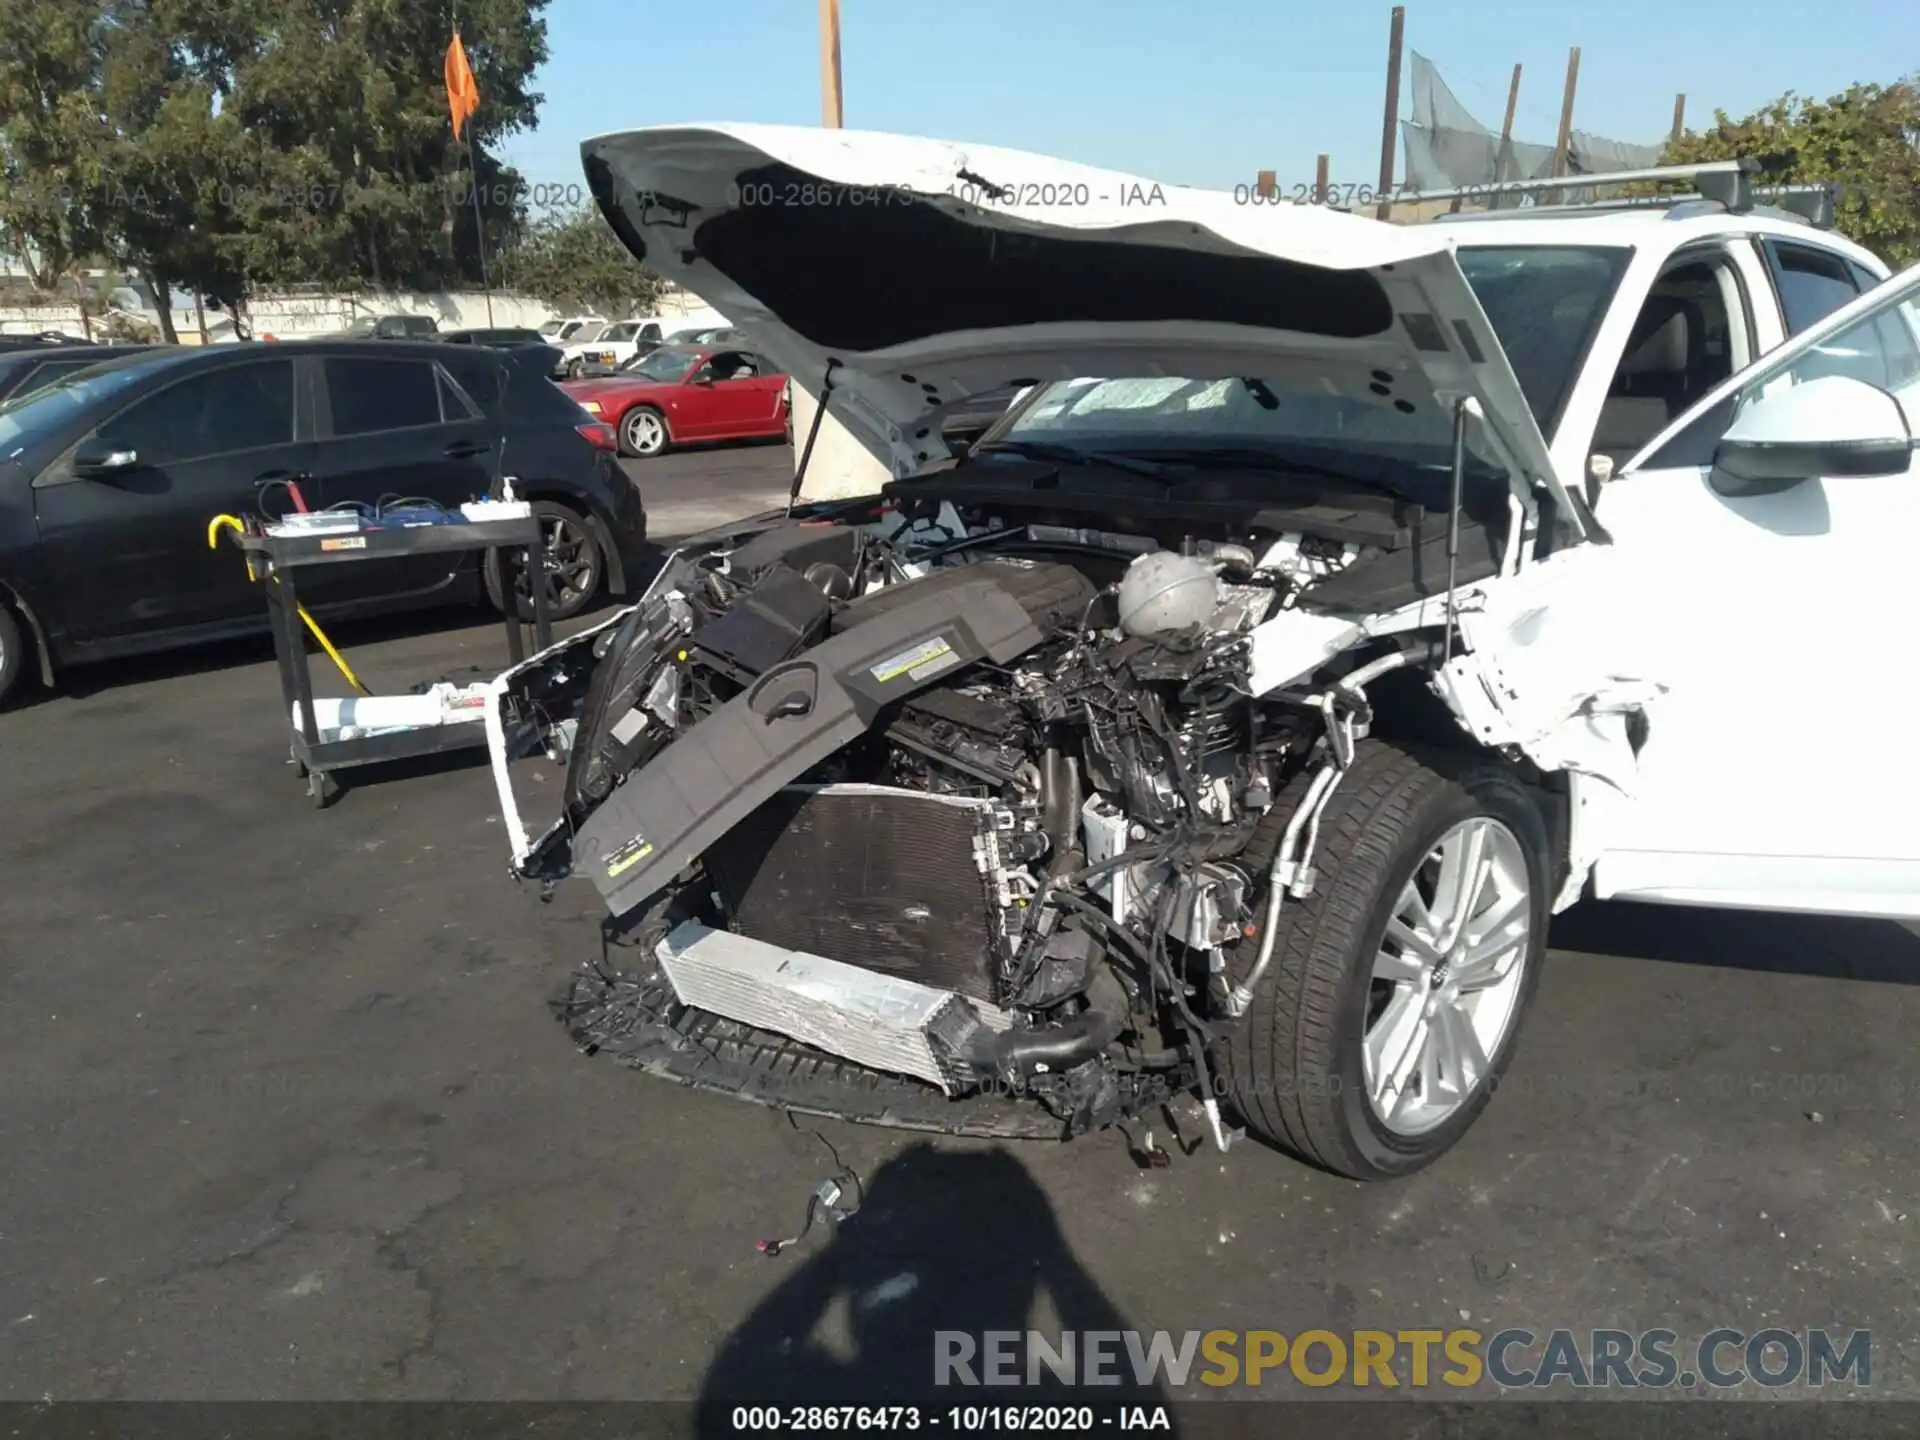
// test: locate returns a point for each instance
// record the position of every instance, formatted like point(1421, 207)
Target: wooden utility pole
point(1266, 185)
point(1320, 180)
point(200, 314)
point(1505, 152)
point(1679, 117)
point(1513, 101)
point(831, 114)
point(1390, 128)
point(1565, 138)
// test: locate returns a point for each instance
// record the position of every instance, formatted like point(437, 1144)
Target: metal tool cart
point(278, 560)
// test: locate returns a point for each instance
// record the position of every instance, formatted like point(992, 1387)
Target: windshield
point(667, 364)
point(1545, 302)
point(25, 418)
point(1284, 419)
point(361, 327)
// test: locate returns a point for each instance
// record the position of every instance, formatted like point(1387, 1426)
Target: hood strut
point(813, 433)
point(1454, 500)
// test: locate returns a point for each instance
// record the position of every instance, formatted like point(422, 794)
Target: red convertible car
point(681, 393)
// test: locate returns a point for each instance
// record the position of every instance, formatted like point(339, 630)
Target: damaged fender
point(1547, 673)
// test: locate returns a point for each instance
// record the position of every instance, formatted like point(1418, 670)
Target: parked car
point(504, 338)
point(560, 332)
point(387, 327)
point(620, 342)
point(26, 370)
point(708, 335)
point(1231, 723)
point(110, 476)
point(34, 342)
point(573, 350)
point(681, 393)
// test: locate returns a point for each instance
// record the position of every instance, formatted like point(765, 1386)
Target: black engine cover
point(710, 779)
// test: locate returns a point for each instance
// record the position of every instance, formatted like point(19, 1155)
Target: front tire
point(13, 654)
point(575, 566)
point(643, 432)
point(1395, 994)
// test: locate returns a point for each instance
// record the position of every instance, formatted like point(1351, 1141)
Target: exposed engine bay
point(987, 800)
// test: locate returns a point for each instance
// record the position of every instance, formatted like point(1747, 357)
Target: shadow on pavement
point(1818, 945)
point(942, 1242)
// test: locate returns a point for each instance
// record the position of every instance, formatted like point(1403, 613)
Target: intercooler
point(879, 1021)
point(895, 881)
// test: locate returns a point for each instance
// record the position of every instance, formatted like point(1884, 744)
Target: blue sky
point(1207, 92)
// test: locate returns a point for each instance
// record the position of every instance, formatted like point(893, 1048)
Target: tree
point(1866, 139)
point(574, 261)
point(50, 52)
point(216, 145)
point(171, 156)
point(361, 180)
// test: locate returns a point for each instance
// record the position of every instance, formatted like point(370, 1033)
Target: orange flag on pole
point(463, 95)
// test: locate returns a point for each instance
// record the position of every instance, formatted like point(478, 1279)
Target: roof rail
point(1721, 187)
point(1728, 181)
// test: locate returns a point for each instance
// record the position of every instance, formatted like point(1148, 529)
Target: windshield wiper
point(1069, 455)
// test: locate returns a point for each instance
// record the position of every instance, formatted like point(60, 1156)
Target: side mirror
point(1832, 425)
point(703, 379)
point(104, 461)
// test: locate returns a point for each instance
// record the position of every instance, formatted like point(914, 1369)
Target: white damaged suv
point(1231, 717)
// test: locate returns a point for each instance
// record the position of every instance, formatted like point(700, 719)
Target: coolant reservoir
point(1162, 593)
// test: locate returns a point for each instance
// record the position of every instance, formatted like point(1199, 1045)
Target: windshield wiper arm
point(1069, 455)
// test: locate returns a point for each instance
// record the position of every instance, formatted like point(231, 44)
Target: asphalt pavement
point(285, 1114)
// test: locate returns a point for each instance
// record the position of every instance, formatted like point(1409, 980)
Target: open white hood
point(925, 270)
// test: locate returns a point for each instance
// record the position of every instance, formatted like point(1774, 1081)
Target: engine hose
point(1060, 775)
point(1071, 1042)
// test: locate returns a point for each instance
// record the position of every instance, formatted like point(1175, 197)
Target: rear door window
point(368, 397)
point(454, 407)
point(479, 375)
point(1812, 283)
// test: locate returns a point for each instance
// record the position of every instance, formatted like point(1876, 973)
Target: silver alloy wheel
point(572, 568)
point(1447, 977)
point(646, 432)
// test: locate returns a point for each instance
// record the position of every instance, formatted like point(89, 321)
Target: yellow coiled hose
point(229, 522)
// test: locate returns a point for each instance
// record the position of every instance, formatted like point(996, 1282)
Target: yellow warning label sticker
point(926, 658)
point(628, 856)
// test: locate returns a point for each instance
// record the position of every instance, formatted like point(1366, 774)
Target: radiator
point(895, 881)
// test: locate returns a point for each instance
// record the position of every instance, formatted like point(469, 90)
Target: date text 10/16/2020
point(1031, 195)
